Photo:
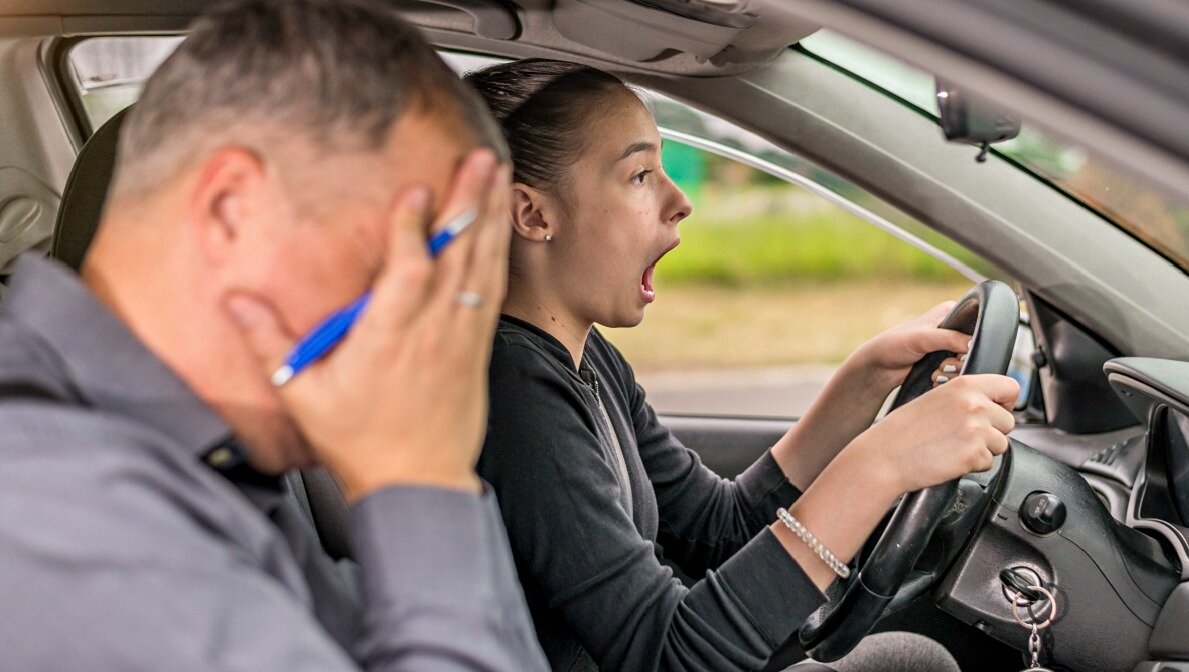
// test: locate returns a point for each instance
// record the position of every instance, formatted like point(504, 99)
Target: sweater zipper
point(619, 458)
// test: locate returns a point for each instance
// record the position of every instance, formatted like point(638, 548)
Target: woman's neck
point(548, 316)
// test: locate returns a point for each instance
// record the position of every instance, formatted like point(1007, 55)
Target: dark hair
point(337, 73)
point(543, 107)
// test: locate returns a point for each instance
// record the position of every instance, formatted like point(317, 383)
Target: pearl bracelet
point(822, 552)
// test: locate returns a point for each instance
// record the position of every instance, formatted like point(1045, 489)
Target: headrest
point(86, 192)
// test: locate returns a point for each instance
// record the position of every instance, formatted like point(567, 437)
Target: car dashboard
point(1158, 391)
point(1116, 555)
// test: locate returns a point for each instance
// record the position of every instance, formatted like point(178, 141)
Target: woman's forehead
point(624, 129)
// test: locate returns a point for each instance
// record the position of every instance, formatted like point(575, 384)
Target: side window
point(773, 284)
point(107, 73)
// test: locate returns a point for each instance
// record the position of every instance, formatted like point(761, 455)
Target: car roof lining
point(750, 48)
point(780, 23)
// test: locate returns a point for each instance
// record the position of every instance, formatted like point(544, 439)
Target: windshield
point(1159, 220)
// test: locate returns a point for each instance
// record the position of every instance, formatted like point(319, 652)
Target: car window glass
point(773, 286)
point(1159, 220)
point(108, 72)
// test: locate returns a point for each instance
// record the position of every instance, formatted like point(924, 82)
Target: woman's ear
point(529, 220)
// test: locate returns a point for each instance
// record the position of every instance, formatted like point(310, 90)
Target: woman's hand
point(944, 434)
point(888, 357)
point(854, 395)
point(948, 369)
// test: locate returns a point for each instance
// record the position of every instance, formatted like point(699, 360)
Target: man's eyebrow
point(642, 146)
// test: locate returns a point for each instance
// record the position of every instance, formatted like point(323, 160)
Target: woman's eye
point(638, 178)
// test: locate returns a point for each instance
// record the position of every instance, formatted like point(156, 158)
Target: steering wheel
point(990, 312)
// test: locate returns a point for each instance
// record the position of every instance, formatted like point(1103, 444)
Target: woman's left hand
point(889, 356)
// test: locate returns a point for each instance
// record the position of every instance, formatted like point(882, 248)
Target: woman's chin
point(625, 319)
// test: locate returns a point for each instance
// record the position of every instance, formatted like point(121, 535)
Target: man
point(286, 159)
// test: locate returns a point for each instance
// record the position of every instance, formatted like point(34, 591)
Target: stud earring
point(548, 237)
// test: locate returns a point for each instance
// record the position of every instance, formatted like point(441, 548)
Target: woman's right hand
point(948, 432)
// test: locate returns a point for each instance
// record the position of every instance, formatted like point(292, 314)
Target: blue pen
point(322, 339)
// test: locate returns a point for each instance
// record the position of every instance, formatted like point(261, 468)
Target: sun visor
point(643, 30)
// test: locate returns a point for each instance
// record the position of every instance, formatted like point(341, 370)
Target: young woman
point(596, 493)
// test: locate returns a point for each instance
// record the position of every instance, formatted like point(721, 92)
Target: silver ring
point(469, 299)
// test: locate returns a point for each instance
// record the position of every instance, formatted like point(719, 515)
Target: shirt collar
point(551, 343)
point(106, 363)
point(554, 346)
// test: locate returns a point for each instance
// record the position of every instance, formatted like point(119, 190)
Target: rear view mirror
point(969, 120)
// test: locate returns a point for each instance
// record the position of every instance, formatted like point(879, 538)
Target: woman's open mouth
point(647, 290)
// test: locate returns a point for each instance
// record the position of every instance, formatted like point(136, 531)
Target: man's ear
point(529, 214)
point(229, 192)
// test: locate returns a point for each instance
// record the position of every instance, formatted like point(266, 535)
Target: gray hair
point(334, 73)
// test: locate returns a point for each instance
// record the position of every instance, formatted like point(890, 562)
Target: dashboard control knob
point(1042, 512)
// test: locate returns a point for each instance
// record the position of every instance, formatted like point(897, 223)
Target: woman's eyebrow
point(642, 146)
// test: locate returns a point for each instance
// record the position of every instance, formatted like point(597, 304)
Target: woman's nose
point(682, 207)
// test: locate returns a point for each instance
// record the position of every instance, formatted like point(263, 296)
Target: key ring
point(1016, 604)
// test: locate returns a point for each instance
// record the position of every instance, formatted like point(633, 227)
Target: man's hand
point(403, 399)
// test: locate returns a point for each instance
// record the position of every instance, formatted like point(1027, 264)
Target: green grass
point(781, 248)
point(809, 322)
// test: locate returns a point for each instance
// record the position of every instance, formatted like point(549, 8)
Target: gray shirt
point(123, 548)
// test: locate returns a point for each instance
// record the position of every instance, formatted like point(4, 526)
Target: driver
point(597, 495)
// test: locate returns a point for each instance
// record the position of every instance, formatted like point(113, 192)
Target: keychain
point(1031, 624)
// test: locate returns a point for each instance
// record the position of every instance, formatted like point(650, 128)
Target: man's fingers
point(469, 194)
point(471, 294)
point(401, 288)
point(489, 259)
point(262, 330)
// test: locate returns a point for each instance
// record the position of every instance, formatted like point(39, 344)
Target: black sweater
point(588, 545)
